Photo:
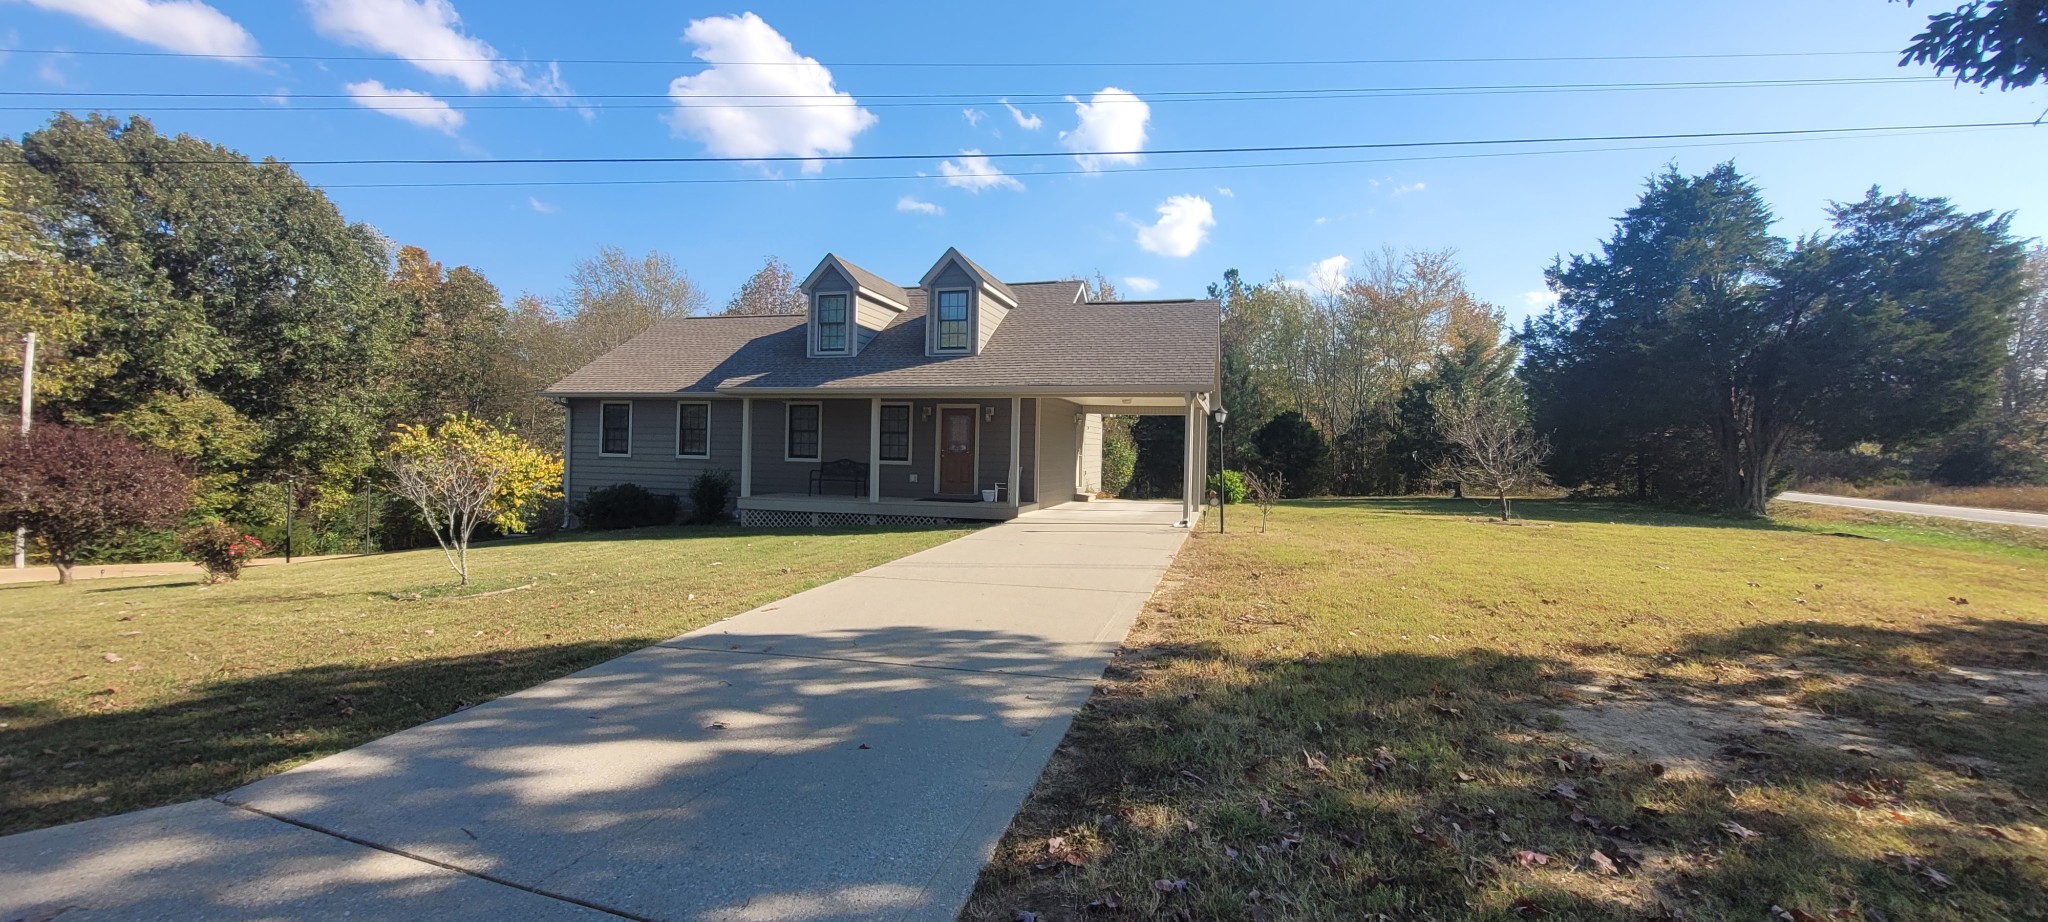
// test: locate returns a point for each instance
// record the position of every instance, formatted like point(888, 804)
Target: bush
point(1119, 455)
point(709, 495)
point(221, 548)
point(626, 505)
point(1229, 486)
point(1291, 446)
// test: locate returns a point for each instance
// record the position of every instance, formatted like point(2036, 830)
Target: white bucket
point(988, 496)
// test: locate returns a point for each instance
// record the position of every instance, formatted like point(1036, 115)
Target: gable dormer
point(963, 305)
point(848, 306)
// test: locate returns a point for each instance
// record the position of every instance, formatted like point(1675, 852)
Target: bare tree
point(1265, 490)
point(1491, 447)
point(773, 290)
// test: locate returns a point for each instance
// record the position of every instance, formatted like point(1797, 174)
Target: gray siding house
point(959, 398)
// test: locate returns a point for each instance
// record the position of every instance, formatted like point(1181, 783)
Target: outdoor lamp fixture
point(988, 414)
point(1222, 467)
point(927, 414)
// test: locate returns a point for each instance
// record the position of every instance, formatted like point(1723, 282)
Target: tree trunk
point(1503, 506)
point(63, 571)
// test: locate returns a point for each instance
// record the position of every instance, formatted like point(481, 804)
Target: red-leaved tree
point(71, 487)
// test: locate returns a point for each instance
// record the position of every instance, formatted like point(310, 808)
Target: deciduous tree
point(1488, 445)
point(771, 290)
point(73, 487)
point(463, 473)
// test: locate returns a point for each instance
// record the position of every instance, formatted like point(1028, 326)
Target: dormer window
point(953, 326)
point(832, 323)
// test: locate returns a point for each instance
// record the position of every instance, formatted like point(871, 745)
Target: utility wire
point(693, 62)
point(1268, 149)
point(371, 102)
point(748, 180)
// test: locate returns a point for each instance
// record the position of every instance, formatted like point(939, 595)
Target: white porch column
point(1016, 450)
point(874, 449)
point(1190, 495)
point(746, 447)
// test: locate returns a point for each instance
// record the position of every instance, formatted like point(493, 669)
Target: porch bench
point(844, 470)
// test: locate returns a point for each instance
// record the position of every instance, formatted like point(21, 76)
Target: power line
point(692, 62)
point(748, 180)
point(1268, 149)
point(284, 103)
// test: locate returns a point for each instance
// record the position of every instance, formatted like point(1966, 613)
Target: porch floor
point(889, 505)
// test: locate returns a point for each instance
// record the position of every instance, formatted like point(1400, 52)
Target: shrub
point(1119, 455)
point(709, 494)
point(221, 548)
point(1228, 486)
point(1291, 446)
point(626, 505)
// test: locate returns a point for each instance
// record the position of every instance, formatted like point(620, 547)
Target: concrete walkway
point(850, 752)
point(1965, 513)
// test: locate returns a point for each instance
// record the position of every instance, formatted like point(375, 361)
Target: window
point(803, 432)
point(896, 433)
point(832, 323)
point(693, 430)
point(952, 320)
point(615, 425)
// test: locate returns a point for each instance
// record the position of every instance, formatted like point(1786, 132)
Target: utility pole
point(28, 392)
point(291, 499)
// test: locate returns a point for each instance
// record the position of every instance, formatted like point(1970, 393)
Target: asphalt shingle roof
point(1049, 341)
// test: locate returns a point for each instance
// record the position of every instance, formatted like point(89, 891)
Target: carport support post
point(874, 449)
point(746, 447)
point(1016, 449)
point(1188, 496)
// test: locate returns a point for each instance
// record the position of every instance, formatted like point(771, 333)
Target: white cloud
point(1141, 284)
point(425, 33)
point(1184, 222)
point(540, 206)
point(1024, 121)
point(974, 172)
point(1538, 300)
point(406, 105)
point(1111, 128)
point(1406, 188)
point(187, 26)
point(1327, 276)
point(1225, 192)
point(915, 206)
point(973, 116)
point(733, 45)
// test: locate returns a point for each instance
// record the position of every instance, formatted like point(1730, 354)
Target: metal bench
point(844, 470)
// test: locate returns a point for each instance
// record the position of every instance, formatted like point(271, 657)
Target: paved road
point(850, 752)
point(1965, 513)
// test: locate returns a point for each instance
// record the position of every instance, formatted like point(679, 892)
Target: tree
point(1986, 42)
point(463, 473)
point(1291, 447)
point(458, 323)
point(772, 290)
point(72, 487)
point(43, 293)
point(1698, 343)
point(1417, 448)
point(1119, 454)
point(1488, 445)
point(614, 297)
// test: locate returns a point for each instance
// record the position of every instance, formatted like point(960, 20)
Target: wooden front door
point(956, 449)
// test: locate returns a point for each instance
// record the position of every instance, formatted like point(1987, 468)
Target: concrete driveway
point(1965, 513)
point(850, 752)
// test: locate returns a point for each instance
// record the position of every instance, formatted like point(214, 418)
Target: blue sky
point(518, 80)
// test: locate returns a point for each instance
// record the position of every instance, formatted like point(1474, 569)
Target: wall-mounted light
point(927, 414)
point(988, 414)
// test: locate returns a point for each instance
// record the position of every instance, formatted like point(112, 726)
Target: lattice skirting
point(777, 518)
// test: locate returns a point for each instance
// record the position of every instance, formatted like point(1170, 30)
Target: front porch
point(797, 510)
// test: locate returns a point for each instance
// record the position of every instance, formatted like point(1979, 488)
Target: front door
point(956, 449)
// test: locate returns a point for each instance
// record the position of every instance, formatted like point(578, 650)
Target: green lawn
point(1395, 709)
point(130, 693)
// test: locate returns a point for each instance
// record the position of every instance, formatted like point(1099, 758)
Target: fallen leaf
point(1565, 791)
point(1109, 902)
point(112, 657)
point(1468, 779)
point(1531, 859)
point(1169, 886)
point(716, 725)
point(1314, 764)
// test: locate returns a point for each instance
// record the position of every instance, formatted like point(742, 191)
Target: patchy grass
point(120, 694)
point(2017, 540)
point(2017, 498)
point(1369, 712)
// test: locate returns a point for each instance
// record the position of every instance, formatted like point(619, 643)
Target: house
point(960, 397)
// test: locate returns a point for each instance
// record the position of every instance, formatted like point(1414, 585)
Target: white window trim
point(938, 296)
point(628, 404)
point(939, 442)
point(791, 405)
point(706, 404)
point(816, 348)
point(909, 431)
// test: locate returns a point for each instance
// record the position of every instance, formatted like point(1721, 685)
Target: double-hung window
point(803, 432)
point(615, 429)
point(693, 430)
point(895, 433)
point(832, 323)
point(952, 321)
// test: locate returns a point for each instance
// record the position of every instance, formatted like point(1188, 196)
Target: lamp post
point(1222, 469)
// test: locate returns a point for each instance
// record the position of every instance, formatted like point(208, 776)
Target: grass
point(2018, 498)
point(1371, 712)
point(128, 693)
